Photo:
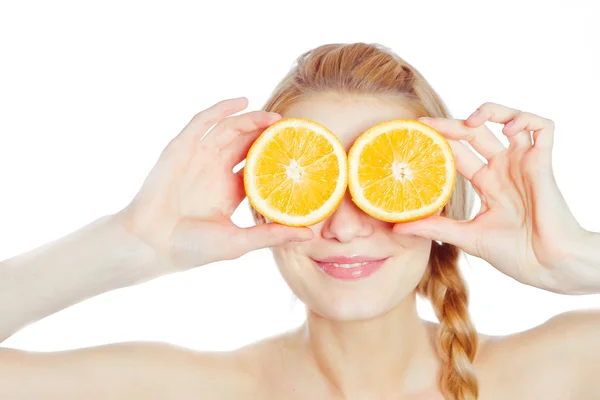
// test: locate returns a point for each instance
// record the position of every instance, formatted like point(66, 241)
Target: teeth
point(354, 265)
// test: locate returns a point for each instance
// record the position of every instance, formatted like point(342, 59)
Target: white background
point(91, 92)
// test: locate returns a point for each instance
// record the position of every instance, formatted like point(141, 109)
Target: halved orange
point(401, 170)
point(296, 172)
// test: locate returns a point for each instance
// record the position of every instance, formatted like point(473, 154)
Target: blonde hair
point(371, 69)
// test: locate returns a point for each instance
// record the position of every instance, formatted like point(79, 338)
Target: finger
point(447, 230)
point(270, 235)
point(481, 138)
point(237, 151)
point(201, 122)
point(467, 162)
point(515, 130)
point(484, 202)
point(240, 172)
point(528, 122)
point(515, 121)
point(239, 194)
point(230, 129)
point(543, 140)
point(521, 140)
point(492, 112)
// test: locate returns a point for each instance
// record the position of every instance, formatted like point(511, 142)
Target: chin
point(352, 309)
point(351, 288)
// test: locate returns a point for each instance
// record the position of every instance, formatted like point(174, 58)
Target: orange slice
point(401, 170)
point(296, 172)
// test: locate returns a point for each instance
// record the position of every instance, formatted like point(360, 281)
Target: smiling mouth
point(349, 270)
point(353, 265)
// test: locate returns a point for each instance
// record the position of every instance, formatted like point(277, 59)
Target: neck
point(388, 354)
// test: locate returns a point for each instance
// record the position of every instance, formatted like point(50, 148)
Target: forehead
point(348, 116)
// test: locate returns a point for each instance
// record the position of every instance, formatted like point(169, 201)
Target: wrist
point(130, 260)
point(579, 272)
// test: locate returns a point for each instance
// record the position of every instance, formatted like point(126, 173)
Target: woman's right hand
point(183, 209)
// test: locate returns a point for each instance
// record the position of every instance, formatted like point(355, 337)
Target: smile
point(349, 268)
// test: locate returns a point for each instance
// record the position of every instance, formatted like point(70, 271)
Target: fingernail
point(425, 120)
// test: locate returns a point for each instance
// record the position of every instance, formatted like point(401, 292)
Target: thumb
point(446, 230)
point(271, 234)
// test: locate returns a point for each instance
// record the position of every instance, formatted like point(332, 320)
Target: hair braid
point(457, 344)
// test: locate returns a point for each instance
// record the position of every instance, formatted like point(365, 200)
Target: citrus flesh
point(296, 172)
point(401, 170)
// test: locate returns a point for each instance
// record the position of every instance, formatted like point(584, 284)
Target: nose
point(347, 222)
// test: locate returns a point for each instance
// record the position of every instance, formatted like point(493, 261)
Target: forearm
point(581, 271)
point(97, 258)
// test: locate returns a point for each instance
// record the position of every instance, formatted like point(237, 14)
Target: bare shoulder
point(557, 359)
point(134, 370)
point(226, 375)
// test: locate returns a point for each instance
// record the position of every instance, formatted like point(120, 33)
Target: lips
point(349, 268)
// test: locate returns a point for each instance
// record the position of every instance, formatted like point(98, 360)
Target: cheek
point(288, 260)
point(418, 258)
point(412, 262)
point(411, 243)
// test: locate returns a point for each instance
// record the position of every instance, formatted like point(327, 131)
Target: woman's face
point(350, 236)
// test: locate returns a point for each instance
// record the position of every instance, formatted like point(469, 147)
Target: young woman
point(363, 338)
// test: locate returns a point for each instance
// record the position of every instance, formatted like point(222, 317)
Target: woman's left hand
point(524, 228)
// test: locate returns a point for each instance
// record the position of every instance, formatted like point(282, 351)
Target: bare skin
point(366, 341)
point(522, 366)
